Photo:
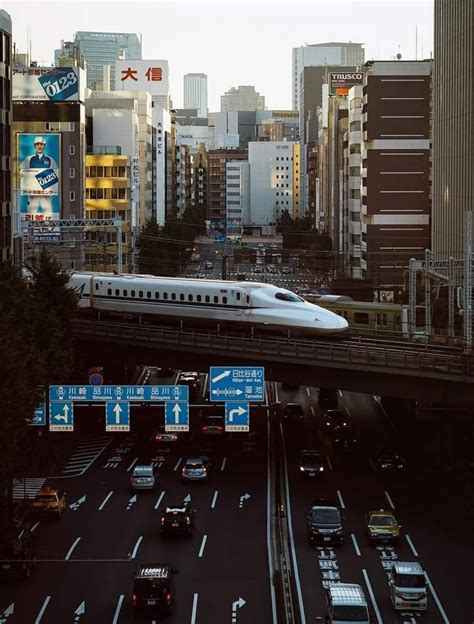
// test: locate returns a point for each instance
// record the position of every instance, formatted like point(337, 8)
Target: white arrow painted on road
point(81, 609)
point(243, 498)
point(131, 501)
point(117, 411)
point(75, 506)
point(8, 611)
point(177, 412)
point(238, 411)
point(220, 376)
point(238, 604)
point(187, 499)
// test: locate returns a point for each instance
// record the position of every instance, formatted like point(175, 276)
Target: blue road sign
point(246, 383)
point(117, 416)
point(39, 416)
point(237, 416)
point(96, 379)
point(119, 393)
point(176, 416)
point(61, 416)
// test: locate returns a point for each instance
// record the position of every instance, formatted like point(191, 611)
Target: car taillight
point(204, 428)
point(183, 470)
point(134, 599)
point(188, 520)
point(162, 520)
point(168, 597)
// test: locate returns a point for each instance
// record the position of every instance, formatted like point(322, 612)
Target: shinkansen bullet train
point(249, 304)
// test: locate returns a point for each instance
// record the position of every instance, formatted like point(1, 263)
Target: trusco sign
point(341, 82)
point(335, 76)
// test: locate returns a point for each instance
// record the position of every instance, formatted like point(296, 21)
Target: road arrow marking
point(8, 611)
point(187, 499)
point(238, 604)
point(81, 609)
point(221, 376)
point(75, 506)
point(243, 498)
point(177, 412)
point(238, 411)
point(132, 500)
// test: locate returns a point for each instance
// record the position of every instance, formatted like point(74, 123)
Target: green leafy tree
point(148, 246)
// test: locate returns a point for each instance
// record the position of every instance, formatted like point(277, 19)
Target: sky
point(233, 43)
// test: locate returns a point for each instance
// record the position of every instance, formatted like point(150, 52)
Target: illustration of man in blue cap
point(39, 160)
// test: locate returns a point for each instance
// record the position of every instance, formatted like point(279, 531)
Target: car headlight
point(301, 468)
point(321, 468)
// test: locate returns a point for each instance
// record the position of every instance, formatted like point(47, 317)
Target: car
point(335, 418)
point(17, 552)
point(144, 477)
point(49, 501)
point(163, 371)
point(389, 459)
point(165, 437)
point(325, 523)
point(345, 438)
point(293, 412)
point(195, 469)
point(154, 591)
point(177, 519)
point(208, 265)
point(382, 527)
point(185, 374)
point(311, 462)
point(286, 270)
point(213, 426)
point(258, 269)
point(192, 384)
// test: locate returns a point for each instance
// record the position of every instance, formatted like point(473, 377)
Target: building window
point(72, 196)
point(354, 148)
point(361, 318)
point(72, 150)
point(354, 194)
point(72, 172)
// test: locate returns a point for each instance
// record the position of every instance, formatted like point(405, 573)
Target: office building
point(195, 93)
point(217, 181)
point(191, 130)
point(453, 124)
point(322, 55)
point(150, 75)
point(6, 250)
point(100, 50)
point(242, 98)
point(237, 196)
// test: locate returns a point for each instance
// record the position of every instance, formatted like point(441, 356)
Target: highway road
point(87, 559)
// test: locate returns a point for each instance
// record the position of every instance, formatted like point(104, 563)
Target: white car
point(144, 477)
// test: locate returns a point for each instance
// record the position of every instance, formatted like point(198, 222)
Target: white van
point(346, 604)
point(407, 584)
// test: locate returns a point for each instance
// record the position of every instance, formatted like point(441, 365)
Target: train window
point(173, 296)
point(165, 295)
point(148, 294)
point(216, 299)
point(224, 299)
point(198, 298)
point(117, 292)
point(132, 293)
point(238, 296)
point(181, 297)
point(207, 298)
point(97, 286)
point(361, 318)
point(190, 297)
point(125, 293)
point(288, 296)
point(248, 299)
point(140, 293)
point(157, 295)
point(109, 291)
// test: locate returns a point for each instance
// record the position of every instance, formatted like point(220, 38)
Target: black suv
point(153, 590)
point(16, 551)
point(177, 519)
point(325, 523)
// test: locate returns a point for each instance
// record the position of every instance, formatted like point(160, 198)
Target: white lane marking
point(372, 597)
point(224, 461)
point(42, 610)
point(35, 526)
point(377, 400)
point(176, 466)
point(214, 498)
point(70, 551)
point(390, 501)
point(269, 524)
point(203, 545)
point(160, 498)
point(308, 391)
point(410, 543)
point(132, 464)
point(339, 393)
point(339, 495)
point(175, 382)
point(328, 459)
point(312, 410)
point(292, 540)
point(134, 552)
point(206, 377)
point(371, 462)
point(117, 609)
point(356, 545)
point(102, 505)
point(438, 603)
point(277, 398)
point(193, 612)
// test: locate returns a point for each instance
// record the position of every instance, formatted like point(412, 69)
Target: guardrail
point(364, 356)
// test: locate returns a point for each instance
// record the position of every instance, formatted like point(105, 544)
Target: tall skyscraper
point(453, 123)
point(100, 49)
point(5, 138)
point(195, 93)
point(242, 98)
point(320, 55)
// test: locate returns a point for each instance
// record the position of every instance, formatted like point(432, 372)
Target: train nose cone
point(343, 324)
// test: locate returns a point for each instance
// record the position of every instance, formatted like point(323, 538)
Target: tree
point(148, 245)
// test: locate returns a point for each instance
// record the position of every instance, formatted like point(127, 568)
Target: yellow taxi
point(49, 501)
point(382, 527)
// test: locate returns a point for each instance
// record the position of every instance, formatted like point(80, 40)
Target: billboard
point(38, 162)
point(151, 76)
point(53, 84)
point(341, 82)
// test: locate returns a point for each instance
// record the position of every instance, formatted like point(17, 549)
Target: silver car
point(194, 469)
point(143, 477)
